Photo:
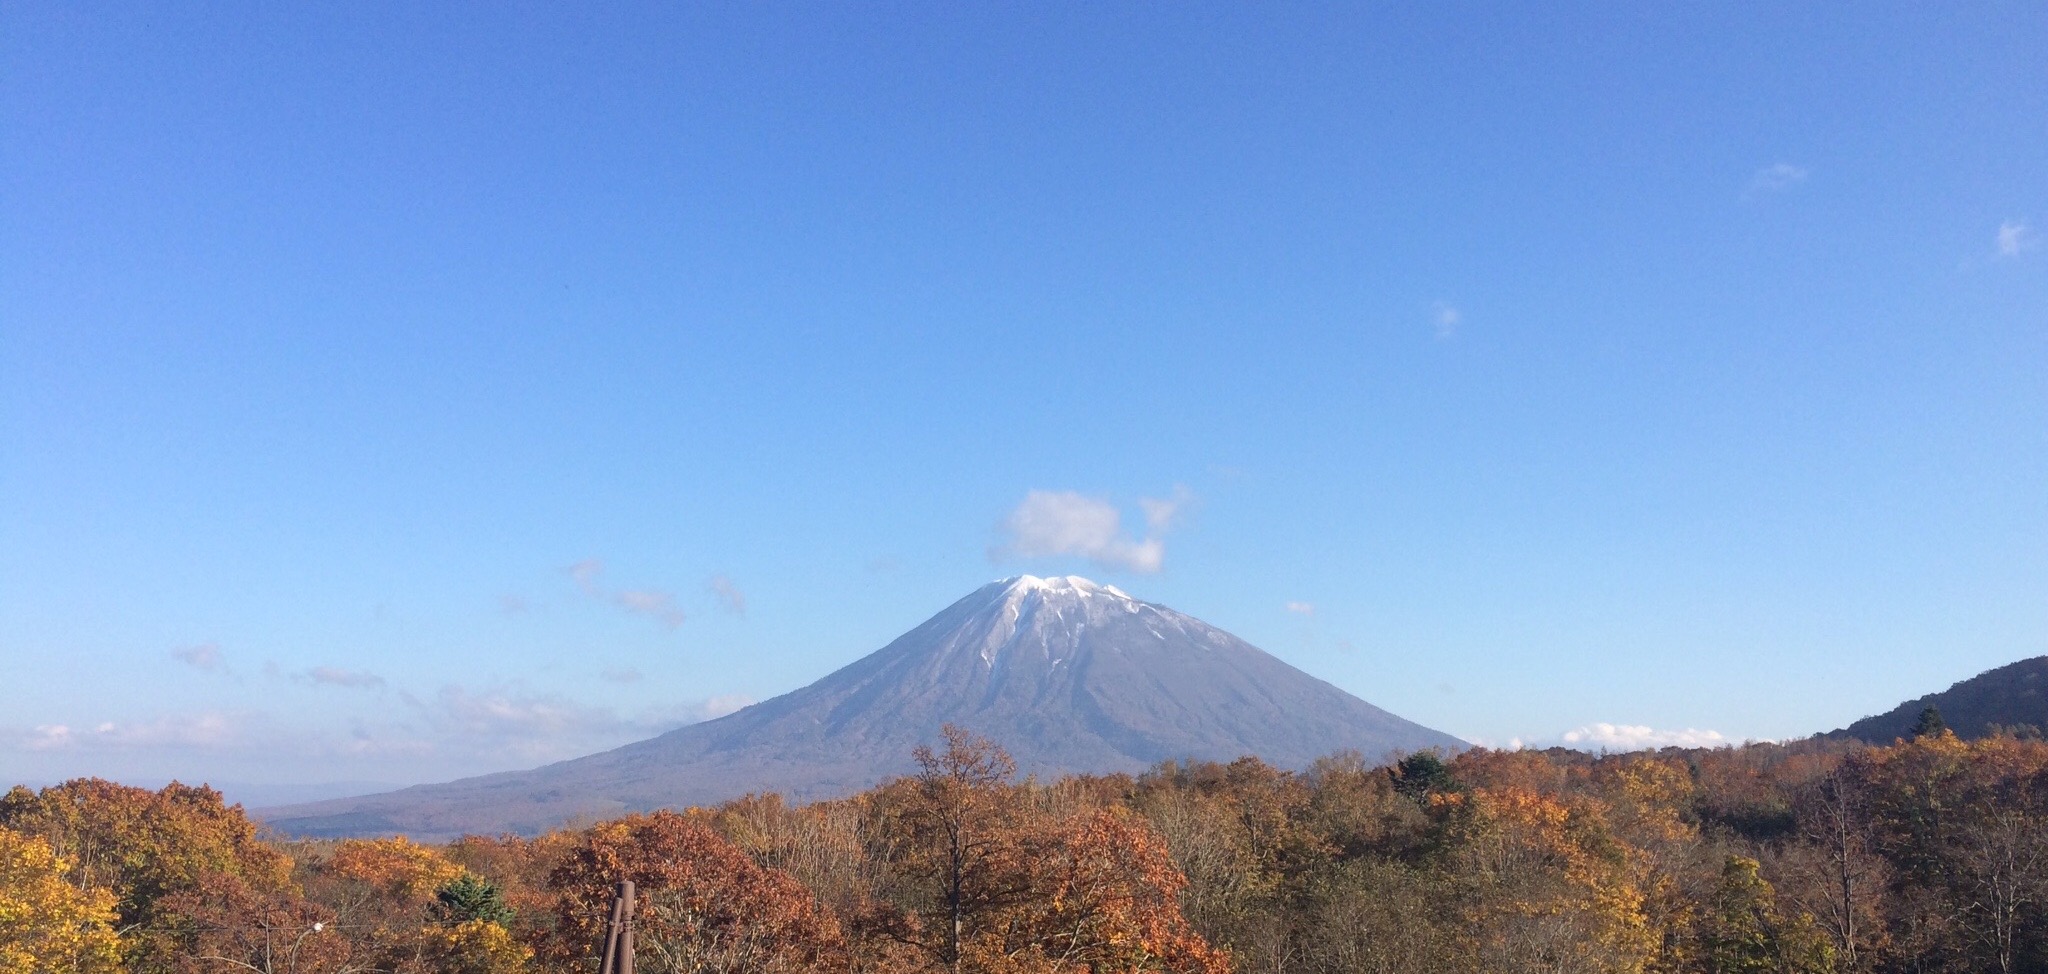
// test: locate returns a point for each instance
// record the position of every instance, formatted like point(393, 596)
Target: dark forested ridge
point(2012, 697)
point(1817, 857)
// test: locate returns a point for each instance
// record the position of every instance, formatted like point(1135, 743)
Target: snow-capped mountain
point(1066, 674)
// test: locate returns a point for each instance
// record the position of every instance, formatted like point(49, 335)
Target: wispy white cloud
point(546, 725)
point(1302, 608)
point(1636, 737)
point(2014, 236)
point(728, 594)
point(332, 676)
point(624, 674)
point(719, 706)
point(654, 603)
point(658, 605)
point(502, 714)
point(457, 731)
point(1777, 178)
point(585, 573)
point(1063, 522)
point(208, 730)
point(46, 737)
point(1445, 319)
point(205, 656)
point(1163, 514)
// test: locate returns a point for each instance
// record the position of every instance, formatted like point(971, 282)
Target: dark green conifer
point(1420, 773)
point(471, 897)
point(1930, 723)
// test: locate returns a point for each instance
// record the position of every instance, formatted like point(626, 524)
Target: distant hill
point(1067, 675)
point(2010, 696)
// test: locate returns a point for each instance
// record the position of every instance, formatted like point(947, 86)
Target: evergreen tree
point(1420, 773)
point(1930, 723)
point(471, 897)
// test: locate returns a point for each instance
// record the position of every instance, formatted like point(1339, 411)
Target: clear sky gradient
point(391, 392)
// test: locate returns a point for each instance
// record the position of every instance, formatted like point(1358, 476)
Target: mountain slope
point(2011, 696)
point(1068, 675)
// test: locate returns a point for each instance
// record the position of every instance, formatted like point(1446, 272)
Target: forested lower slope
point(1929, 855)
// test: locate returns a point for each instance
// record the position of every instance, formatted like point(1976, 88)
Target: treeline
point(1928, 855)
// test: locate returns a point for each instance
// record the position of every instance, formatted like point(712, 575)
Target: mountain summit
point(1068, 675)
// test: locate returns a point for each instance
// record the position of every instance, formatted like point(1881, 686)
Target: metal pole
point(611, 940)
point(626, 933)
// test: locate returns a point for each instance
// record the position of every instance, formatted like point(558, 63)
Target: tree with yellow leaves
point(46, 925)
point(1545, 887)
point(146, 847)
point(397, 868)
point(472, 947)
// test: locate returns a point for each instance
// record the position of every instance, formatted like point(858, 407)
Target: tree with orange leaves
point(1105, 897)
point(222, 924)
point(1967, 824)
point(965, 842)
point(991, 881)
point(702, 906)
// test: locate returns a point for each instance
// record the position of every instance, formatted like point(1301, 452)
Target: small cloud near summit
point(1063, 522)
point(1302, 608)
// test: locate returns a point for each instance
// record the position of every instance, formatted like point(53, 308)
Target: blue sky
point(389, 392)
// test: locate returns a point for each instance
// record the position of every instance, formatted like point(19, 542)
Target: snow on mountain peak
point(1041, 612)
point(1075, 584)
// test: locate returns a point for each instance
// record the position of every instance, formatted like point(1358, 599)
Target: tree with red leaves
point(702, 906)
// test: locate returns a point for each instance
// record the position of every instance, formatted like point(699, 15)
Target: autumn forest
point(1819, 856)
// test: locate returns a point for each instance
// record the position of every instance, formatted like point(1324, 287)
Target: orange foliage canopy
point(702, 906)
point(1105, 897)
point(398, 867)
point(999, 883)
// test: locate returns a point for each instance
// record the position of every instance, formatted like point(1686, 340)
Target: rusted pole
point(611, 941)
point(626, 927)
